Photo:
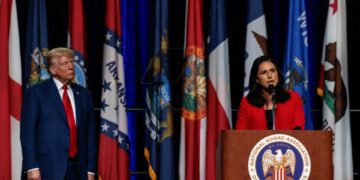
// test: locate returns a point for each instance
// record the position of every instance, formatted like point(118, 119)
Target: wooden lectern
point(297, 154)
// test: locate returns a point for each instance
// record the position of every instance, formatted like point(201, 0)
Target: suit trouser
point(72, 170)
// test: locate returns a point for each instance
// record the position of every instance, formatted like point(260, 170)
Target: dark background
point(276, 17)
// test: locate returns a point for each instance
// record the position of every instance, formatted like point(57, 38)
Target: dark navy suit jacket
point(45, 134)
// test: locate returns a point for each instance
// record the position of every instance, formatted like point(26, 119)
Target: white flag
point(256, 37)
point(334, 89)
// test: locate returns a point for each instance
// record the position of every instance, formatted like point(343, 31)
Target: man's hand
point(91, 176)
point(34, 175)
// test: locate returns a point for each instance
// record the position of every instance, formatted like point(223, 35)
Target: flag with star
point(218, 85)
point(114, 142)
point(333, 87)
point(76, 39)
point(256, 37)
point(158, 116)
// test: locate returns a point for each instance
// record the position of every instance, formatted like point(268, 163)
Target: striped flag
point(114, 142)
point(219, 100)
point(256, 37)
point(158, 116)
point(77, 40)
point(193, 115)
point(10, 92)
point(334, 88)
point(36, 44)
point(296, 65)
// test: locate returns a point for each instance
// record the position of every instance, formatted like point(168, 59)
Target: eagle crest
point(278, 161)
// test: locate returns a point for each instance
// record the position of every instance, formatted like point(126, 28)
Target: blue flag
point(128, 11)
point(36, 44)
point(159, 118)
point(296, 65)
point(256, 37)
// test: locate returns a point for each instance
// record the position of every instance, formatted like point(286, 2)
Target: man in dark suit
point(58, 130)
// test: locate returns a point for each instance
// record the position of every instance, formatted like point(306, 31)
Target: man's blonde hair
point(57, 53)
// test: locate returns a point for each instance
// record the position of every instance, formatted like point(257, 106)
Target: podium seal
point(279, 157)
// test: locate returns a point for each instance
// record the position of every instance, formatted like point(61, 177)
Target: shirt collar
point(59, 85)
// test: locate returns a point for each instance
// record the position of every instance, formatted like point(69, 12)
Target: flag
point(129, 15)
point(114, 142)
point(10, 92)
point(77, 40)
point(256, 37)
point(296, 64)
point(193, 114)
point(334, 88)
point(158, 116)
point(36, 44)
point(219, 100)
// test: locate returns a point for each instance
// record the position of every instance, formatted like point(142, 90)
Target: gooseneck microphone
point(272, 90)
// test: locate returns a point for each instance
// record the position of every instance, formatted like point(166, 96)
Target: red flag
point(219, 101)
point(114, 141)
point(77, 26)
point(77, 39)
point(10, 92)
point(193, 121)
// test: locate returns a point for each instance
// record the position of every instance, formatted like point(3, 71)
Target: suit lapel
point(58, 104)
point(77, 100)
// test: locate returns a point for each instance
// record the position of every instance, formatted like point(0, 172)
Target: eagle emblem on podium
point(278, 166)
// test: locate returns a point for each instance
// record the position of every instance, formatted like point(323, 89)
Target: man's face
point(63, 68)
point(267, 74)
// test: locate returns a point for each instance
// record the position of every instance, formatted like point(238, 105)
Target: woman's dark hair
point(255, 97)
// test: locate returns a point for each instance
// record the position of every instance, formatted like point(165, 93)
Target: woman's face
point(267, 74)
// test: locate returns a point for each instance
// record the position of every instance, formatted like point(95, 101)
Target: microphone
point(272, 89)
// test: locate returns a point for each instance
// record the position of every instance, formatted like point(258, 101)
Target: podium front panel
point(238, 146)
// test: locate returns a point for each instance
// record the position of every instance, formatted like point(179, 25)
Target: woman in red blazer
point(268, 99)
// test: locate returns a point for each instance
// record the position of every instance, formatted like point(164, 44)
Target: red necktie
point(71, 120)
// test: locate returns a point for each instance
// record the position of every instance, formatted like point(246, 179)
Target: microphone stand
point(273, 100)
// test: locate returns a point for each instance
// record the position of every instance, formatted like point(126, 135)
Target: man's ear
point(52, 70)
